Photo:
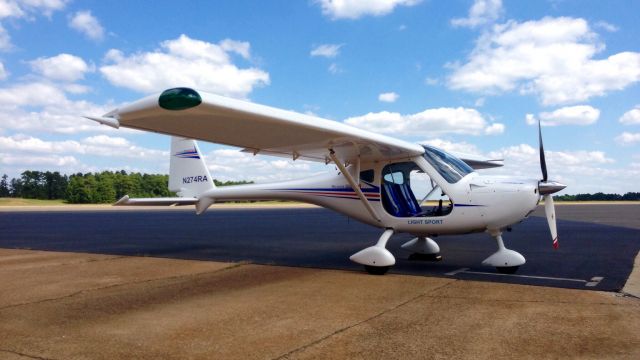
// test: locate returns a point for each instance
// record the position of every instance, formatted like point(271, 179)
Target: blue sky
point(470, 76)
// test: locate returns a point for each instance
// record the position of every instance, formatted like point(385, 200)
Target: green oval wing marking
point(179, 99)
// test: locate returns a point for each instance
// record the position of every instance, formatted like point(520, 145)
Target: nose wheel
point(507, 269)
point(506, 261)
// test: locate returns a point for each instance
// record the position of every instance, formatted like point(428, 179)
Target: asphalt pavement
point(593, 255)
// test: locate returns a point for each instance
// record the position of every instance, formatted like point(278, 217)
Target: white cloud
point(388, 97)
point(326, 50)
point(494, 129)
point(3, 72)
point(24, 152)
point(459, 147)
point(570, 115)
point(627, 138)
point(5, 39)
point(87, 24)
point(185, 62)
point(64, 118)
point(25, 8)
point(431, 81)
point(606, 26)
point(99, 145)
point(581, 170)
point(230, 164)
point(31, 94)
point(22, 160)
point(431, 122)
point(64, 67)
point(525, 155)
point(10, 8)
point(631, 117)
point(335, 69)
point(44, 107)
point(241, 48)
point(75, 88)
point(23, 143)
point(551, 57)
point(354, 9)
point(481, 12)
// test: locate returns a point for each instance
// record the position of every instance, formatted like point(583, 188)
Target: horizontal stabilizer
point(166, 201)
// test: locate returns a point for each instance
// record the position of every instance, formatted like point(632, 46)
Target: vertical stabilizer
point(188, 173)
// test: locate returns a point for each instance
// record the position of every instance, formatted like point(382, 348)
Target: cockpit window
point(450, 167)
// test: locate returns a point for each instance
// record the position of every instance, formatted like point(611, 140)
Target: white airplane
point(397, 186)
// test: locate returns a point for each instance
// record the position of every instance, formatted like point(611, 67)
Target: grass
point(60, 202)
point(30, 202)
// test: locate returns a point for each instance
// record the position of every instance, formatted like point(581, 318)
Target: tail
point(188, 173)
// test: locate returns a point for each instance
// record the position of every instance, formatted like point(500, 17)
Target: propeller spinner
point(546, 188)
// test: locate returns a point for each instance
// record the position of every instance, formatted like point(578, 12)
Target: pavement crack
point(24, 355)
point(628, 295)
point(524, 301)
point(343, 329)
point(79, 292)
point(88, 261)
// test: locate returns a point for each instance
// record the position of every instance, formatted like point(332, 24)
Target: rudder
point(188, 173)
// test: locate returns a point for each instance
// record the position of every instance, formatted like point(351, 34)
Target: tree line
point(89, 188)
point(630, 196)
point(109, 186)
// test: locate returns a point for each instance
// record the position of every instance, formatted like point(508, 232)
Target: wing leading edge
point(255, 128)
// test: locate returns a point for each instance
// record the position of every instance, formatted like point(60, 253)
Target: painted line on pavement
point(590, 283)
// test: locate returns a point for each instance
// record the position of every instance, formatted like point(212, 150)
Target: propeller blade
point(550, 212)
point(543, 162)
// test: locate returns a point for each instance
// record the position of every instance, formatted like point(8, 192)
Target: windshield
point(450, 167)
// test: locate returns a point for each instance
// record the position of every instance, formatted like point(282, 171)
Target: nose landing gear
point(506, 261)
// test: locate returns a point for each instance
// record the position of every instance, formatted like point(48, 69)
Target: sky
point(471, 76)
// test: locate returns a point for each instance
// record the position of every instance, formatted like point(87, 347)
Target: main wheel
point(377, 270)
point(425, 257)
point(507, 269)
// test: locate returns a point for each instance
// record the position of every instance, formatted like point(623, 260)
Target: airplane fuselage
point(477, 202)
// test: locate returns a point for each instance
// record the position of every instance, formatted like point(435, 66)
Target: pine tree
point(4, 186)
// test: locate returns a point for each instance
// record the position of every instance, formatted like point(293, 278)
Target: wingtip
point(123, 201)
point(109, 121)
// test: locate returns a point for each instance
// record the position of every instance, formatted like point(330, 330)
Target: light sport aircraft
point(385, 182)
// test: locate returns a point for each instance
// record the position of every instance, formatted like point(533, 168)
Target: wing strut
point(354, 185)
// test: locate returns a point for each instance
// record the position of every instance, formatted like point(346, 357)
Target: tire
point(377, 270)
point(425, 257)
point(507, 269)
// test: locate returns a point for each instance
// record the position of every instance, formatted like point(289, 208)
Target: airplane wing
point(255, 128)
point(478, 162)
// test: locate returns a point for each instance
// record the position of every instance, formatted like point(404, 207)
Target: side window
point(367, 175)
point(429, 194)
point(406, 191)
point(394, 177)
